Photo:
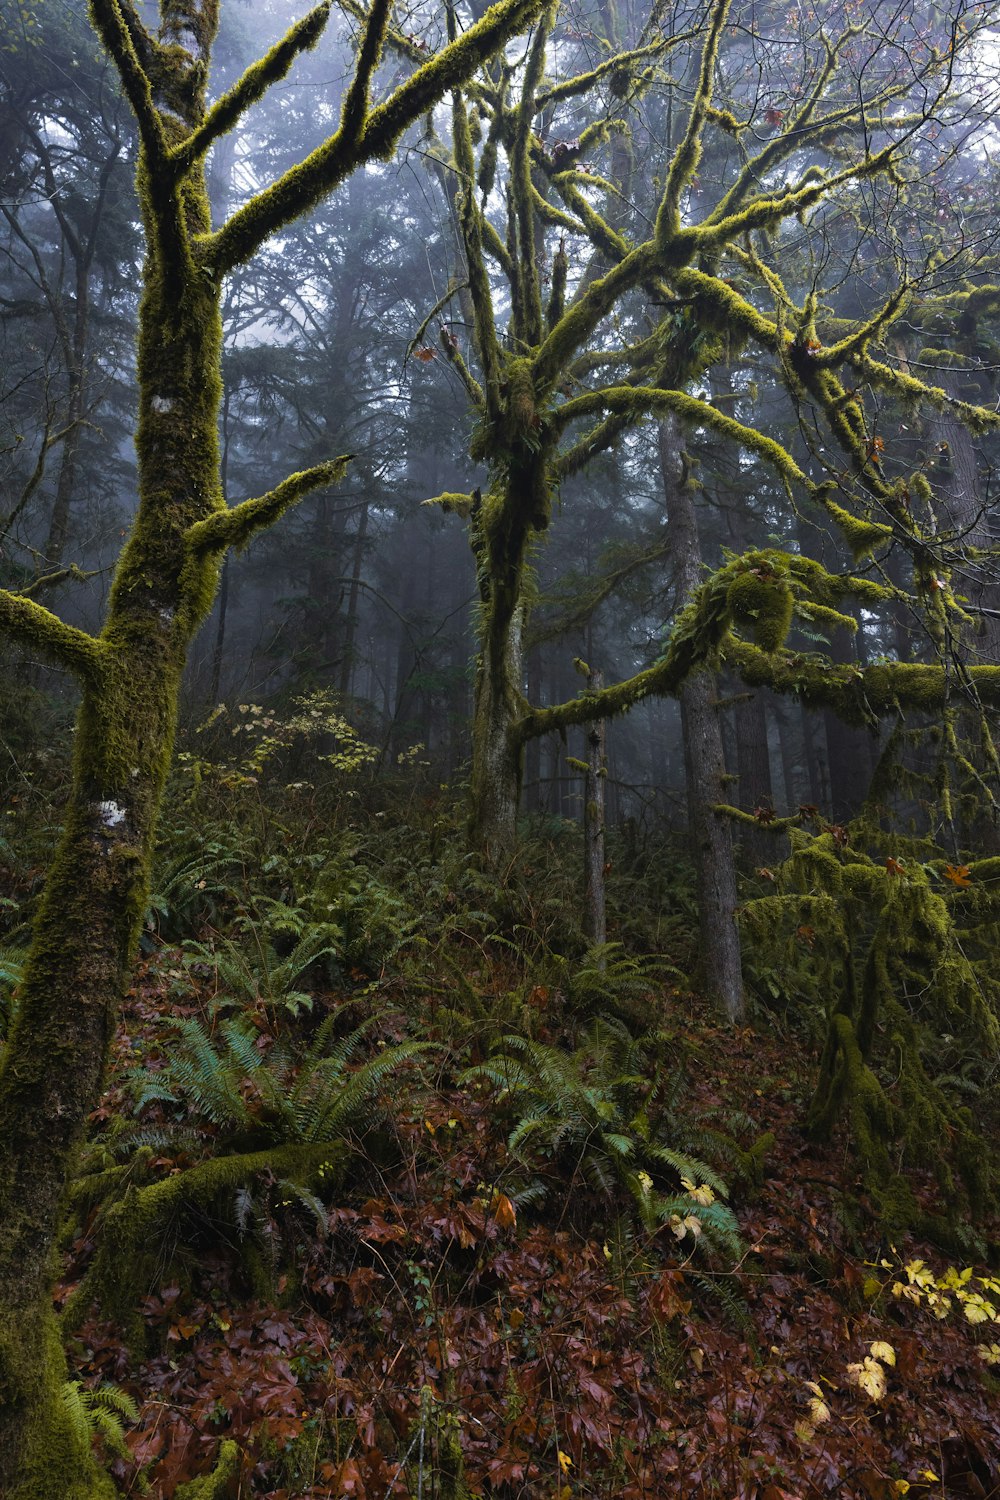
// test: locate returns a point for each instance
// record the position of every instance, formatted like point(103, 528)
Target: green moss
point(862, 536)
point(764, 602)
point(222, 1483)
point(55, 1461)
point(133, 1228)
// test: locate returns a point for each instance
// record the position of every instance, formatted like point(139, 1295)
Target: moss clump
point(862, 537)
point(763, 602)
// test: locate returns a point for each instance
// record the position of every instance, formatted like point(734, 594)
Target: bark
point(500, 528)
point(711, 845)
point(753, 762)
point(53, 1067)
point(704, 760)
point(595, 905)
point(353, 595)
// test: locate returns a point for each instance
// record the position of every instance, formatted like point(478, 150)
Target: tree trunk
point(351, 624)
point(704, 760)
point(594, 857)
point(712, 846)
point(496, 754)
point(500, 526)
point(86, 931)
point(753, 761)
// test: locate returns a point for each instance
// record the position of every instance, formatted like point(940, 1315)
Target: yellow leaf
point(929, 1474)
point(819, 1411)
point(698, 1359)
point(869, 1376)
point(565, 1462)
point(902, 1486)
point(804, 1431)
point(885, 1352)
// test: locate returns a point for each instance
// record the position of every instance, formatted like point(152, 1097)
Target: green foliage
point(11, 973)
point(100, 1412)
point(591, 1115)
point(248, 975)
point(901, 952)
point(256, 1096)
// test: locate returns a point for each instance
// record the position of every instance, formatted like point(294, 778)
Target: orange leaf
point(425, 353)
point(504, 1211)
point(959, 875)
point(895, 866)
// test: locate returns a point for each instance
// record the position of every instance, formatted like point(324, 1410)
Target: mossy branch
point(619, 65)
point(472, 224)
point(357, 98)
point(702, 635)
point(863, 695)
point(132, 1227)
point(520, 181)
point(635, 402)
point(46, 581)
point(31, 624)
point(767, 825)
point(235, 527)
point(251, 87)
point(323, 169)
point(586, 312)
point(684, 164)
point(602, 235)
point(452, 501)
point(116, 32)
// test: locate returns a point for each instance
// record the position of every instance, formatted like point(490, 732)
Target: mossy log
point(132, 1228)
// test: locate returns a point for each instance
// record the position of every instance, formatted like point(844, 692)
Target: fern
point(224, 1078)
point(588, 1113)
point(11, 975)
point(102, 1412)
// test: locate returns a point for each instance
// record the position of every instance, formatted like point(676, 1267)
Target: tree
point(97, 886)
point(711, 269)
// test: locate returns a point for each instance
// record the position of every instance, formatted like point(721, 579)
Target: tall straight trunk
point(704, 759)
point(351, 624)
point(711, 845)
point(753, 763)
point(594, 857)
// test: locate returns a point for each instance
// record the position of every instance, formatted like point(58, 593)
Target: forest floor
point(344, 1339)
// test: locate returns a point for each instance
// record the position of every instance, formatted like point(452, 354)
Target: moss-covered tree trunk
point(52, 1068)
point(499, 534)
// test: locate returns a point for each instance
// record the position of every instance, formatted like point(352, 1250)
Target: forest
point(499, 763)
